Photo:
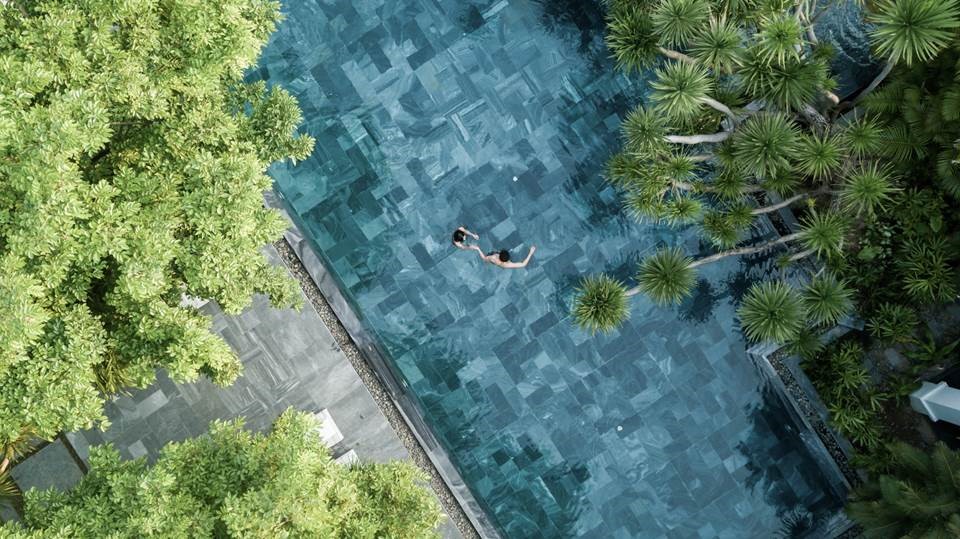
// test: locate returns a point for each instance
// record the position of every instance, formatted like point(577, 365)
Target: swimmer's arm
point(518, 265)
point(467, 232)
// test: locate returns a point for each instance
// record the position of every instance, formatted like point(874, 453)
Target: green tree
point(234, 483)
point(919, 497)
point(132, 166)
point(741, 122)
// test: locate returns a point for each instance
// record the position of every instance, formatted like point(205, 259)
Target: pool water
point(499, 115)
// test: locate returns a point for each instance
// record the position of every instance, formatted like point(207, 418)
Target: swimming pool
point(499, 115)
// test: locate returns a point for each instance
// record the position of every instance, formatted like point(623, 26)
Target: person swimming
point(460, 237)
point(502, 258)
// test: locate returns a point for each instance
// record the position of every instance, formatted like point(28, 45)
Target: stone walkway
point(290, 359)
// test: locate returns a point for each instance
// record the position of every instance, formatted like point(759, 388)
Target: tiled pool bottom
point(424, 112)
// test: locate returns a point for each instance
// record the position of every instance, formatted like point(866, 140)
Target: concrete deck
point(290, 359)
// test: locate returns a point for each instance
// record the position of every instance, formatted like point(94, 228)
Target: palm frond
point(677, 21)
point(720, 230)
point(927, 272)
point(682, 210)
point(765, 143)
point(643, 132)
point(623, 170)
point(807, 344)
point(772, 312)
point(863, 136)
point(779, 39)
point(782, 183)
point(640, 206)
point(679, 90)
point(679, 168)
point(719, 46)
point(601, 304)
point(913, 30)
point(824, 232)
point(666, 276)
point(9, 490)
point(893, 323)
point(819, 156)
point(867, 189)
point(632, 39)
point(900, 143)
point(728, 183)
point(827, 299)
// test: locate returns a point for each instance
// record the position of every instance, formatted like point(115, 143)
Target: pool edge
point(362, 350)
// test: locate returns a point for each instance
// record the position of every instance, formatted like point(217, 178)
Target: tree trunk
point(802, 254)
point(887, 68)
point(746, 250)
point(716, 105)
point(686, 186)
point(679, 56)
point(698, 139)
point(814, 117)
point(784, 203)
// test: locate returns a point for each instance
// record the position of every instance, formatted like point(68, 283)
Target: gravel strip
point(807, 409)
point(449, 503)
point(802, 400)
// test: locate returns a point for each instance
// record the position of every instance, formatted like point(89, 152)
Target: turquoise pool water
point(499, 115)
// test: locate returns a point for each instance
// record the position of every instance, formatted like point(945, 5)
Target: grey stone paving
point(290, 359)
point(50, 467)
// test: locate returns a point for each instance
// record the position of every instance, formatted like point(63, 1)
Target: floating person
point(460, 237)
point(502, 258)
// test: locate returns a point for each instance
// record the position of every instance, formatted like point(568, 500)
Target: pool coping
point(773, 363)
point(365, 354)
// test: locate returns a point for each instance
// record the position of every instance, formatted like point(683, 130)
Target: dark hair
point(504, 255)
point(458, 236)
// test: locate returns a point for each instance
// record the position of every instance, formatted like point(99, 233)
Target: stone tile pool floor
point(424, 111)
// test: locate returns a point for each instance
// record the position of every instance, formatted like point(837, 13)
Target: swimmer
point(460, 237)
point(502, 258)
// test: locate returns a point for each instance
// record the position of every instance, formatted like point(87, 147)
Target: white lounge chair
point(328, 431)
point(347, 459)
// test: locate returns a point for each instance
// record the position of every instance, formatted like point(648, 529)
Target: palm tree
point(867, 189)
point(826, 299)
point(766, 144)
point(913, 30)
point(600, 304)
point(919, 497)
point(718, 46)
point(631, 38)
point(819, 155)
point(772, 311)
point(667, 277)
point(677, 21)
point(680, 89)
point(763, 69)
point(644, 131)
point(824, 232)
point(908, 31)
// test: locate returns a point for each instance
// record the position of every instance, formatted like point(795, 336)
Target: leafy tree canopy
point(233, 483)
point(132, 162)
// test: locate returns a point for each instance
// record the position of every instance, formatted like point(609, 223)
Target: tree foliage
point(919, 497)
point(132, 161)
point(742, 122)
point(234, 483)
